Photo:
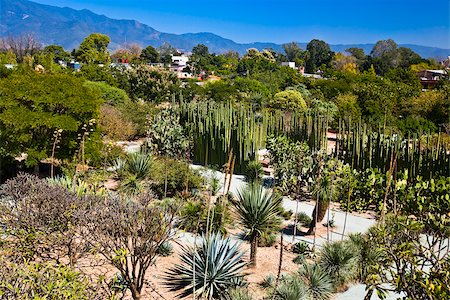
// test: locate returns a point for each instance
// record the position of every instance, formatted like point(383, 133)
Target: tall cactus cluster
point(218, 127)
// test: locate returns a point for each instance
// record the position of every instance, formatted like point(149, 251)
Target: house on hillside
point(179, 62)
point(430, 78)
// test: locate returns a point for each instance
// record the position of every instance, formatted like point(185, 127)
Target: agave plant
point(339, 259)
point(210, 271)
point(139, 164)
point(258, 210)
point(318, 284)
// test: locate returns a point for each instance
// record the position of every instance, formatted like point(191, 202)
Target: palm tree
point(210, 272)
point(318, 285)
point(339, 259)
point(258, 211)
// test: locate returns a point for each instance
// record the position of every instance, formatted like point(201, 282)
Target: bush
point(267, 239)
point(288, 100)
point(114, 125)
point(287, 214)
point(194, 216)
point(44, 281)
point(138, 113)
point(110, 95)
point(304, 219)
point(170, 175)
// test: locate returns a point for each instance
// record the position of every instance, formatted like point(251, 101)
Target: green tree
point(319, 53)
point(385, 56)
point(94, 49)
point(150, 83)
point(58, 52)
point(150, 55)
point(33, 106)
point(7, 57)
point(258, 210)
point(293, 51)
point(200, 50)
point(166, 51)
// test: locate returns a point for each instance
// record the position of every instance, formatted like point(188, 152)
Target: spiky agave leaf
point(218, 268)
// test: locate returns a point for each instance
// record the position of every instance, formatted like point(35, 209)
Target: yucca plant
point(318, 284)
point(139, 164)
point(339, 259)
point(253, 172)
point(368, 254)
point(258, 211)
point(210, 271)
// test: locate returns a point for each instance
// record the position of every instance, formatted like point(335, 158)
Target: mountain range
point(68, 27)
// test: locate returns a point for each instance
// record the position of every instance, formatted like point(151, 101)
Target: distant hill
point(68, 27)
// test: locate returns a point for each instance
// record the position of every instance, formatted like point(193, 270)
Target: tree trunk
point(319, 210)
point(253, 248)
point(36, 169)
point(135, 293)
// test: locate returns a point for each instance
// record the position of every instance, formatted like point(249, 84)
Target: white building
point(290, 64)
point(179, 62)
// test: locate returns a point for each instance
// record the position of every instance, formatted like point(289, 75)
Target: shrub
point(239, 294)
point(287, 214)
point(110, 95)
point(304, 219)
point(288, 100)
point(169, 177)
point(138, 113)
point(267, 239)
point(113, 124)
point(32, 280)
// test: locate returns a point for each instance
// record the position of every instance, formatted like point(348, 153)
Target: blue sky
point(337, 22)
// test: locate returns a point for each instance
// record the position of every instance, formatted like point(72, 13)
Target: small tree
point(128, 234)
point(258, 210)
point(166, 136)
